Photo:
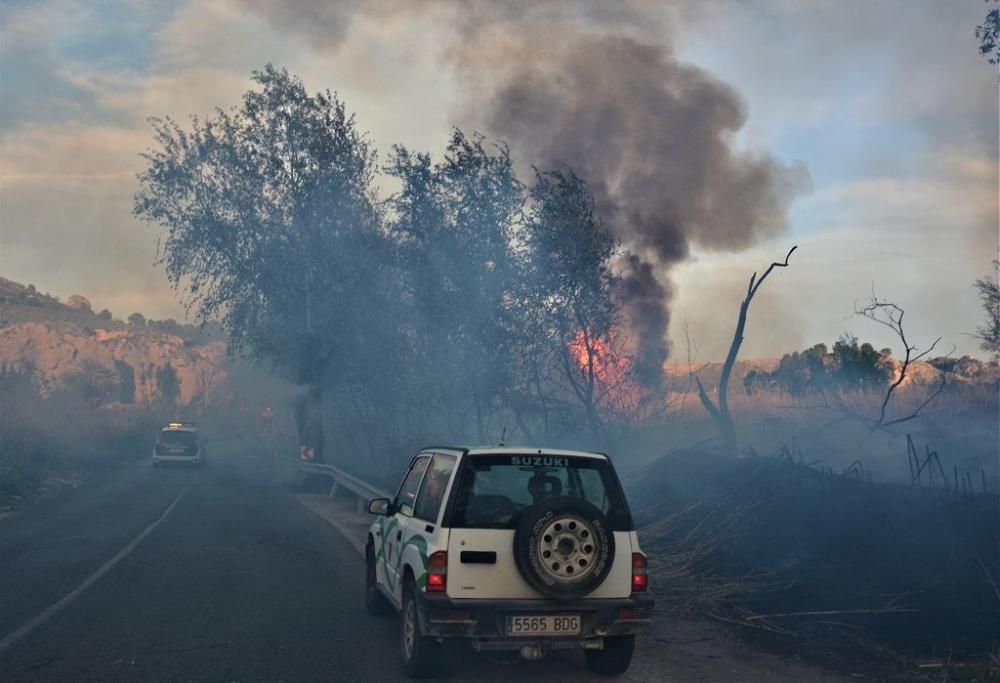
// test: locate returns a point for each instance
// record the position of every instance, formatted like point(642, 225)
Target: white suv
point(526, 550)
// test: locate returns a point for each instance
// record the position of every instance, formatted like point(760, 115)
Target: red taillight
point(640, 579)
point(437, 572)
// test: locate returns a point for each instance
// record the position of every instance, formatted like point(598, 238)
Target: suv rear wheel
point(614, 659)
point(421, 654)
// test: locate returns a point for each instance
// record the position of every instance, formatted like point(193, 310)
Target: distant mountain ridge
point(63, 344)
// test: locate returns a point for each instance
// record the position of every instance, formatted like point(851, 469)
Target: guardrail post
point(333, 490)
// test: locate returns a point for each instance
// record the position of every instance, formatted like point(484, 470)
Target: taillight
point(437, 572)
point(640, 578)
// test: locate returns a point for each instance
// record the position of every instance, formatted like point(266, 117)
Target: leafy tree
point(988, 34)
point(989, 294)
point(797, 373)
point(454, 223)
point(858, 366)
point(137, 320)
point(848, 366)
point(265, 209)
point(570, 252)
point(168, 384)
point(105, 314)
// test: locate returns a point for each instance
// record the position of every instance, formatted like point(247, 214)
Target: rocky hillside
point(68, 345)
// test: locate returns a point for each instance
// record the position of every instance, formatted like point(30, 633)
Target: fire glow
point(615, 386)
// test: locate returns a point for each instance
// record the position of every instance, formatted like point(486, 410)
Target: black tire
point(532, 525)
point(614, 659)
point(422, 655)
point(376, 603)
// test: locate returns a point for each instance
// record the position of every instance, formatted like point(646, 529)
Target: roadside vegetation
point(54, 441)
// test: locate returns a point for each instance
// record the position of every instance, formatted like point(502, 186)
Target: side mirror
point(379, 506)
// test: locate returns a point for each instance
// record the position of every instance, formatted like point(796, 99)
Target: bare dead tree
point(890, 315)
point(692, 354)
point(720, 414)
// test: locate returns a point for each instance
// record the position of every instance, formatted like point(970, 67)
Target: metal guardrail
point(359, 487)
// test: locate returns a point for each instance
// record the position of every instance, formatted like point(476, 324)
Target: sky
point(883, 108)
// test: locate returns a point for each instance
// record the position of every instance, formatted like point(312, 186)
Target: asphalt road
point(236, 582)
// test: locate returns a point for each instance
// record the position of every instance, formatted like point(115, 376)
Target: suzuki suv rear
point(525, 550)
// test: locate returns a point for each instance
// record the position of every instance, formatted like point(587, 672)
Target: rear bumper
point(178, 458)
point(443, 617)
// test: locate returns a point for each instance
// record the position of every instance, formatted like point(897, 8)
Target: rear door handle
point(478, 557)
point(399, 535)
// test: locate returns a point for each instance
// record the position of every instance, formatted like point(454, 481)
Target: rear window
point(176, 437)
point(494, 489)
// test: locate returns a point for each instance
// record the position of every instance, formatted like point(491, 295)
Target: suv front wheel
point(614, 659)
point(421, 654)
point(375, 602)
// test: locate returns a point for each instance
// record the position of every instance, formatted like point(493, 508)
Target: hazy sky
point(885, 107)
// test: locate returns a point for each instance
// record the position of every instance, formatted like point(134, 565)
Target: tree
point(137, 320)
point(849, 367)
point(454, 224)
point(264, 209)
point(890, 315)
point(78, 302)
point(988, 34)
point(989, 295)
point(720, 413)
point(168, 384)
point(105, 314)
point(570, 253)
point(858, 367)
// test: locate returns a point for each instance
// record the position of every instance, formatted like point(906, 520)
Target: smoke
point(653, 137)
point(590, 87)
point(643, 296)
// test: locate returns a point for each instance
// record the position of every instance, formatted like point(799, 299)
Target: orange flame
point(614, 386)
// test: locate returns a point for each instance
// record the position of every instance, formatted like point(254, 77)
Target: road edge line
point(54, 608)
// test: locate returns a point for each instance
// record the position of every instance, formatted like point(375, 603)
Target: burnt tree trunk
point(720, 414)
point(309, 403)
point(309, 421)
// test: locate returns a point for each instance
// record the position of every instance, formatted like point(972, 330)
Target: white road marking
point(50, 611)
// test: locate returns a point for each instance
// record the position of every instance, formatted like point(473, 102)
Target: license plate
point(545, 625)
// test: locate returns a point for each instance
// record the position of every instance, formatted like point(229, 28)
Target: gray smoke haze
point(586, 86)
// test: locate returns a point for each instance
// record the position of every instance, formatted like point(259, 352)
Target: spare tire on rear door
point(563, 548)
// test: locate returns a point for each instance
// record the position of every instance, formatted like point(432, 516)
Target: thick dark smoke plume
point(648, 318)
point(653, 138)
point(589, 87)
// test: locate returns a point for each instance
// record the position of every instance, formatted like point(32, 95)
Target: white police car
point(179, 442)
point(525, 550)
